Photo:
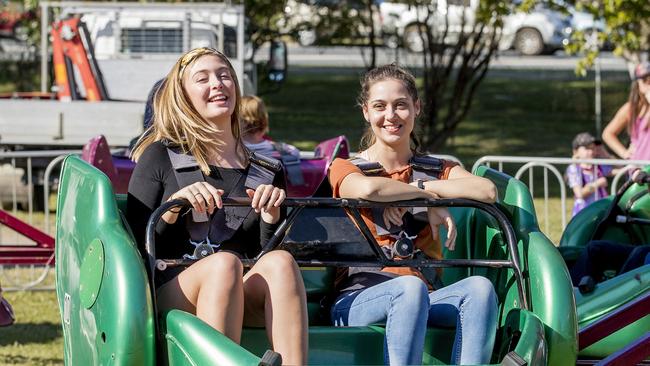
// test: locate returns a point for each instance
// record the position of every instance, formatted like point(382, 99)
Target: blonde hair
point(254, 116)
point(381, 73)
point(179, 123)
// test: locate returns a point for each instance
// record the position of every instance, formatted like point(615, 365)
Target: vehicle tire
point(529, 42)
point(412, 39)
point(307, 37)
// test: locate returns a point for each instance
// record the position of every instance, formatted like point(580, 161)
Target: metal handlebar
point(352, 206)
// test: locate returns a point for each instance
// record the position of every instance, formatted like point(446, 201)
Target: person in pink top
point(634, 117)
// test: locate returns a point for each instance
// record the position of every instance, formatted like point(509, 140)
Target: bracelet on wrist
point(420, 183)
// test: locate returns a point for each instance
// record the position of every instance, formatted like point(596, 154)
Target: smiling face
point(390, 110)
point(211, 88)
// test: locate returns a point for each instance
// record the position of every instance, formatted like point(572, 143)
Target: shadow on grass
point(26, 360)
point(24, 333)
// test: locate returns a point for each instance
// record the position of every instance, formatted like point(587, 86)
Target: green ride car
point(107, 303)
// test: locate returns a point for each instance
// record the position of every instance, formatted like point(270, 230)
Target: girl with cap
point(634, 117)
point(401, 297)
point(196, 113)
point(587, 181)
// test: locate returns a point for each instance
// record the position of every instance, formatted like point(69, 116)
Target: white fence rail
point(19, 177)
point(22, 173)
point(527, 163)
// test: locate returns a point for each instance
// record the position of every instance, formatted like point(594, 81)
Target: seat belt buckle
point(202, 249)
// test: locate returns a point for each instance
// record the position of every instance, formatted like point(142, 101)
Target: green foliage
point(19, 76)
point(458, 48)
point(626, 27)
point(29, 25)
point(263, 19)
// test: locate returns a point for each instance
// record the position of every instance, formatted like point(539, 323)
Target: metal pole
point(44, 51)
point(597, 101)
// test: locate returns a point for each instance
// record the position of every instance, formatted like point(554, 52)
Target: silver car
point(542, 30)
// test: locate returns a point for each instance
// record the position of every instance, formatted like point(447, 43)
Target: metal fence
point(25, 188)
point(525, 164)
point(25, 179)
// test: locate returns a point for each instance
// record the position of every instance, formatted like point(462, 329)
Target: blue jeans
point(406, 307)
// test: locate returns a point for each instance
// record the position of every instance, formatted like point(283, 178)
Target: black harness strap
point(226, 221)
point(424, 167)
point(187, 172)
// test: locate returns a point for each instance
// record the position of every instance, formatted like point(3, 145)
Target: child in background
point(587, 181)
point(254, 127)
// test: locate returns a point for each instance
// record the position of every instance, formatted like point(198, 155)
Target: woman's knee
point(278, 263)
point(413, 289)
point(481, 289)
point(224, 267)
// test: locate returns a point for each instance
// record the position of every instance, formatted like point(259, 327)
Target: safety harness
point(226, 221)
point(424, 167)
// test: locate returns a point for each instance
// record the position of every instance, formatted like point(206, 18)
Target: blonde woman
point(197, 119)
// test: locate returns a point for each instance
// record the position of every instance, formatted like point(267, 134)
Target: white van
point(136, 44)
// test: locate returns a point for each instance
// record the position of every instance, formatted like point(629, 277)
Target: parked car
point(542, 30)
point(324, 20)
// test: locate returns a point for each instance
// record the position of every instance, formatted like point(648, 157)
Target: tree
point(264, 20)
point(626, 27)
point(456, 57)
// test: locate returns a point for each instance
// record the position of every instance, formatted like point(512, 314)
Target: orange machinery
point(72, 56)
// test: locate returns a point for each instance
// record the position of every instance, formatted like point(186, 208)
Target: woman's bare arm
point(379, 189)
point(614, 128)
point(463, 184)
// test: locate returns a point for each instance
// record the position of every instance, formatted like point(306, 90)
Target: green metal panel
point(616, 292)
point(548, 281)
point(91, 273)
point(355, 345)
point(531, 344)
point(608, 296)
point(190, 341)
point(118, 328)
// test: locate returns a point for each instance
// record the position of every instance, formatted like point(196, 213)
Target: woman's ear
point(417, 108)
point(365, 113)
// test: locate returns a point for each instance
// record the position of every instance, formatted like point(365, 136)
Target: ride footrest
point(587, 285)
point(271, 358)
point(513, 359)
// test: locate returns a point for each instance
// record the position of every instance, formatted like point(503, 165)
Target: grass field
point(510, 116)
